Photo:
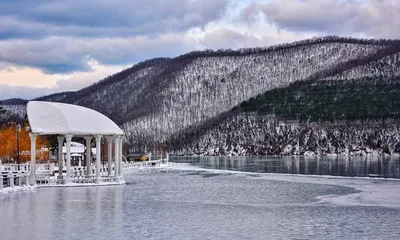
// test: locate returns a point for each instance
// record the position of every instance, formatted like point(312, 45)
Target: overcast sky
point(49, 46)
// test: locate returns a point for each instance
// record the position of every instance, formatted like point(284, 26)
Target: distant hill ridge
point(14, 101)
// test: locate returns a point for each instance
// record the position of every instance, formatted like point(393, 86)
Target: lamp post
point(18, 137)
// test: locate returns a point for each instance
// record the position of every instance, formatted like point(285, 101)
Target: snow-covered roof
point(47, 118)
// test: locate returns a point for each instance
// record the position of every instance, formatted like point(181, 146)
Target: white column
point(109, 142)
point(306, 165)
point(68, 158)
point(98, 156)
point(11, 179)
point(60, 156)
point(116, 156)
point(19, 179)
point(120, 157)
point(33, 158)
point(1, 176)
point(88, 155)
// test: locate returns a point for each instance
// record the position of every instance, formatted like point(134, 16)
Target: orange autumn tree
point(8, 145)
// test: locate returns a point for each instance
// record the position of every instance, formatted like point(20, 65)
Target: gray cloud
point(14, 29)
point(66, 54)
point(60, 36)
point(104, 17)
point(225, 37)
point(314, 15)
point(222, 38)
point(371, 18)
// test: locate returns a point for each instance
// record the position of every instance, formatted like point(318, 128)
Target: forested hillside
point(12, 111)
point(252, 134)
point(163, 101)
point(371, 98)
point(306, 118)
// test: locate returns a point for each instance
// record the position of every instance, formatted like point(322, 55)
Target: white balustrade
point(16, 167)
point(12, 179)
point(1, 181)
point(46, 173)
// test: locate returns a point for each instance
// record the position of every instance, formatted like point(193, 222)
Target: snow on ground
point(372, 191)
point(9, 190)
point(82, 184)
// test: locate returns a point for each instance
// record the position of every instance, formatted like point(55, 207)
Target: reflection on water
point(62, 213)
point(385, 167)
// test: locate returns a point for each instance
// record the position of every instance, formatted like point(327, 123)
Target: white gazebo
point(67, 121)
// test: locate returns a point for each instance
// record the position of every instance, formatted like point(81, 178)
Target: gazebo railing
point(83, 179)
point(45, 167)
point(13, 179)
point(108, 178)
point(49, 181)
point(76, 180)
point(26, 167)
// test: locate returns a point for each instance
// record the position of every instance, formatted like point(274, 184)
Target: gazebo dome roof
point(50, 118)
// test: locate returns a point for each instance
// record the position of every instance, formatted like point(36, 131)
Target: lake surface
point(184, 201)
point(374, 166)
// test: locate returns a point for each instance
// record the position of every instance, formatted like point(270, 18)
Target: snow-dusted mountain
point(162, 99)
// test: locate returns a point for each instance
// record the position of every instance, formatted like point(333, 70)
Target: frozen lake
point(373, 166)
point(189, 202)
